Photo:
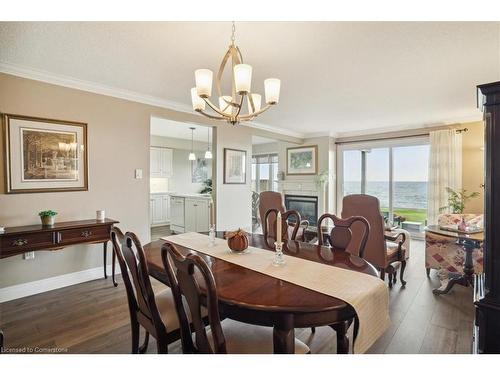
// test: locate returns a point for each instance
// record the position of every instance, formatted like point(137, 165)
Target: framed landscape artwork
point(302, 160)
point(235, 166)
point(43, 155)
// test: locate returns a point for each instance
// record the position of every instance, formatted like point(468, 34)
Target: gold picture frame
point(44, 155)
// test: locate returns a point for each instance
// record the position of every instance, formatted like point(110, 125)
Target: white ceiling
point(179, 130)
point(337, 77)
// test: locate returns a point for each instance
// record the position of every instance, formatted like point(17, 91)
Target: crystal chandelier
point(230, 106)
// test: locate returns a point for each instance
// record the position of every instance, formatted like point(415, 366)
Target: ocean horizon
point(407, 194)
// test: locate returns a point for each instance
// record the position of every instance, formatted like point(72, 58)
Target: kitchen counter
point(198, 196)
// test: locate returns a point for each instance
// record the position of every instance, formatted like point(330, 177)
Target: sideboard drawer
point(80, 235)
point(20, 243)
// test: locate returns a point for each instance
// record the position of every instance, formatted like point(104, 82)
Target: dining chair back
point(377, 250)
point(289, 229)
point(141, 298)
point(341, 235)
point(188, 276)
point(270, 200)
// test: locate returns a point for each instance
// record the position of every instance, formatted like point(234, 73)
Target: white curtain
point(445, 170)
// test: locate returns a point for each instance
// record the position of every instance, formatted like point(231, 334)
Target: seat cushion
point(242, 338)
point(166, 306)
point(392, 251)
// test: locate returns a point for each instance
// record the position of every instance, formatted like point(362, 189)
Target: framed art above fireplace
point(302, 160)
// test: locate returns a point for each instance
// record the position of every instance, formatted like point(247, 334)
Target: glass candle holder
point(278, 255)
point(211, 236)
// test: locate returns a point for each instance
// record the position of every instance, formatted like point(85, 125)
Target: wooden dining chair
point(289, 229)
point(341, 234)
point(272, 200)
point(155, 313)
point(385, 252)
point(339, 239)
point(194, 280)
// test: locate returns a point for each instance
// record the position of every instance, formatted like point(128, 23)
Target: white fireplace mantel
point(306, 188)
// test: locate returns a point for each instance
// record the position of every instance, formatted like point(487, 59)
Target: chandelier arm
point(255, 114)
point(240, 106)
point(214, 108)
point(211, 116)
point(239, 55)
point(221, 70)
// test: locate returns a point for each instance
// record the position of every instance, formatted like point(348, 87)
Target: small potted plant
point(47, 217)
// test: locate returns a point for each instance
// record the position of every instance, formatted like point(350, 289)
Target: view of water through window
point(409, 178)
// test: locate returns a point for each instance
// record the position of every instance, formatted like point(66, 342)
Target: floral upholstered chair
point(444, 254)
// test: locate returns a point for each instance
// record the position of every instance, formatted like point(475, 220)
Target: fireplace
point(307, 207)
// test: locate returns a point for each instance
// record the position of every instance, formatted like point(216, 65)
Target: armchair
point(442, 253)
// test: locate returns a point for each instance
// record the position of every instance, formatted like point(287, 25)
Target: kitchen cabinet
point(159, 208)
point(189, 214)
point(160, 162)
point(177, 214)
point(196, 211)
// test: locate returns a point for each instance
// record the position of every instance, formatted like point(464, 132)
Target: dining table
point(252, 297)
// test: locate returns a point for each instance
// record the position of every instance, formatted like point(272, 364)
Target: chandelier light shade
point(254, 102)
point(243, 78)
point(203, 79)
point(272, 90)
point(230, 106)
point(198, 103)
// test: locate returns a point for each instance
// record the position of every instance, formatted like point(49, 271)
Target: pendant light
point(192, 156)
point(208, 153)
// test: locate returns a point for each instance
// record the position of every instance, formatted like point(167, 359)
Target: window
point(394, 171)
point(265, 172)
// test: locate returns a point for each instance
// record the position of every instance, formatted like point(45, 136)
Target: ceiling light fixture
point(208, 153)
point(192, 156)
point(230, 106)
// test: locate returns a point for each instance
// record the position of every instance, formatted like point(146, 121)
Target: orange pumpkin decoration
point(237, 240)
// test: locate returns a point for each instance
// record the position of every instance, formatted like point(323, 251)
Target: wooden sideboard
point(19, 240)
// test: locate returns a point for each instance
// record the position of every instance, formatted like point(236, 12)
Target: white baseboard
point(39, 286)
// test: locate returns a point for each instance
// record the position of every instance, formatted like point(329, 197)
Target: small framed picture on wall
point(235, 164)
point(44, 155)
point(302, 160)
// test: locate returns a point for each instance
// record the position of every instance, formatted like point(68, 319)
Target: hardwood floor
point(161, 231)
point(93, 317)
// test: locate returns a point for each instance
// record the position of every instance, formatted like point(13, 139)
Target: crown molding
point(473, 117)
point(96, 88)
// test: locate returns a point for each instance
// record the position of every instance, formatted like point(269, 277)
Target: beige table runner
point(367, 294)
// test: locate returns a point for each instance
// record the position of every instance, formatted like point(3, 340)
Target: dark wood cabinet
point(487, 323)
point(19, 240)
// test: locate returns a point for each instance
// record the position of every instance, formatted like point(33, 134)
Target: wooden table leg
point(284, 335)
point(1, 342)
point(342, 339)
point(104, 252)
point(467, 279)
point(113, 268)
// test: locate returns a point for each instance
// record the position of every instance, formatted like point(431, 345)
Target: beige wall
point(234, 208)
point(118, 142)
